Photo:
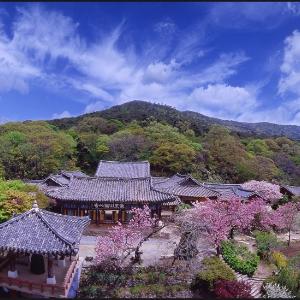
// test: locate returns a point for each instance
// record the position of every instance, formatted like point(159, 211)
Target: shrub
point(279, 259)
point(265, 241)
point(239, 258)
point(181, 207)
point(213, 269)
point(274, 290)
point(288, 277)
point(232, 289)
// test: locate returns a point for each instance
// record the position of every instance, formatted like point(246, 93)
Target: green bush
point(156, 290)
point(265, 242)
point(288, 277)
point(239, 258)
point(213, 269)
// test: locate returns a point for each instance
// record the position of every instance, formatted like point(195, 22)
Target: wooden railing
point(41, 287)
point(69, 275)
point(52, 289)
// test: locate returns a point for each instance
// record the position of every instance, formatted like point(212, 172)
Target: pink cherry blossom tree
point(208, 218)
point(285, 217)
point(216, 220)
point(268, 191)
point(122, 240)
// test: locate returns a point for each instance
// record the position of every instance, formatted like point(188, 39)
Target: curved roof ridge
point(125, 162)
point(110, 178)
point(16, 218)
point(40, 213)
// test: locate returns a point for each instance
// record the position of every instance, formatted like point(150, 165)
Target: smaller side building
point(230, 191)
point(187, 188)
point(39, 252)
point(290, 191)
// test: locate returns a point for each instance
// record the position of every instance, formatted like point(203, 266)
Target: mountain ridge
point(141, 110)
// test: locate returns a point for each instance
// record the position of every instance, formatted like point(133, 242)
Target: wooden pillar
point(120, 216)
point(12, 262)
point(101, 216)
point(123, 216)
point(12, 272)
point(50, 267)
point(51, 277)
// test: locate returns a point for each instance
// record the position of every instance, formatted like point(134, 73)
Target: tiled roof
point(231, 190)
point(157, 179)
point(110, 190)
point(117, 169)
point(295, 190)
point(186, 186)
point(43, 232)
point(61, 179)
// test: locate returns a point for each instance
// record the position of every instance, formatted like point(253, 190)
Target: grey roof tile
point(231, 190)
point(111, 190)
point(117, 169)
point(43, 232)
point(185, 186)
point(295, 190)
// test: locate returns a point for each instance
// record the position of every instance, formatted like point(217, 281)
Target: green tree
point(171, 157)
point(226, 154)
point(17, 197)
point(34, 149)
point(259, 147)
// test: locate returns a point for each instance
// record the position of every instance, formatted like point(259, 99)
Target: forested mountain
point(141, 110)
point(171, 140)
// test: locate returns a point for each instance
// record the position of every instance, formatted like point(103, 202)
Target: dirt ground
point(292, 250)
point(159, 248)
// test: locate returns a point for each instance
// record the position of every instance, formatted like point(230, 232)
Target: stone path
point(255, 283)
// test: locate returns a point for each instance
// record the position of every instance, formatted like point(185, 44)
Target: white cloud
point(109, 75)
point(95, 106)
point(238, 15)
point(103, 71)
point(4, 120)
point(160, 72)
point(290, 67)
point(165, 27)
point(64, 114)
point(286, 113)
point(221, 100)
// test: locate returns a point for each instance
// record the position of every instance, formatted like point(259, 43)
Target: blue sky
point(238, 61)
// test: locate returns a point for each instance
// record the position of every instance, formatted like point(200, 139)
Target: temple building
point(187, 188)
point(116, 188)
point(229, 191)
point(59, 180)
point(290, 190)
point(39, 252)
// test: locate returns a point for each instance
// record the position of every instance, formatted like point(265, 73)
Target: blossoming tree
point(122, 240)
point(285, 217)
point(268, 191)
point(216, 220)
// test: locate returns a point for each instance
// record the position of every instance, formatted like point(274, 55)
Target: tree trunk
point(289, 241)
point(218, 251)
point(231, 234)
